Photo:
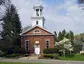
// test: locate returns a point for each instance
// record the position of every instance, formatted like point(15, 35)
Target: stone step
point(33, 57)
point(29, 58)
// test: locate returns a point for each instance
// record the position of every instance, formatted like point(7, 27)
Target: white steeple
point(38, 18)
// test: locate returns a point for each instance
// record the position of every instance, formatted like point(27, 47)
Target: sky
point(59, 14)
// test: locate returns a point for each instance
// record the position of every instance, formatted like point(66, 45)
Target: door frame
point(36, 46)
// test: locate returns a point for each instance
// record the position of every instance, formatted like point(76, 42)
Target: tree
point(64, 33)
point(6, 4)
point(11, 28)
point(78, 42)
point(60, 36)
point(64, 46)
point(67, 36)
point(16, 29)
point(2, 1)
point(64, 36)
point(72, 37)
point(55, 36)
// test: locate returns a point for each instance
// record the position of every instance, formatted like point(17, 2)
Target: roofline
point(34, 27)
point(38, 35)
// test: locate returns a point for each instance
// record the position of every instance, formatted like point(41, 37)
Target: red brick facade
point(40, 37)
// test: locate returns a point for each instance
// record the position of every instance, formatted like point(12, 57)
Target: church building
point(37, 38)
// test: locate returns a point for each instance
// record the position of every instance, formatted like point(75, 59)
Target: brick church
point(37, 38)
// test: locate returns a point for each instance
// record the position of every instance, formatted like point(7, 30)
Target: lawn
point(17, 63)
point(76, 57)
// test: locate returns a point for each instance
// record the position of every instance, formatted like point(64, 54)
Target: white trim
point(34, 27)
point(38, 35)
point(25, 44)
point(37, 46)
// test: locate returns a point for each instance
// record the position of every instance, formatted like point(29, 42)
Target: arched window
point(37, 31)
point(37, 12)
point(47, 44)
point(26, 45)
point(36, 22)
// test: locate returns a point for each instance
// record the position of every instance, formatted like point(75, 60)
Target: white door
point(37, 50)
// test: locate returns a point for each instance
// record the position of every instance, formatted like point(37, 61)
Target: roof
point(32, 28)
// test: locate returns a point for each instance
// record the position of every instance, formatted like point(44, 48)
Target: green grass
point(17, 63)
point(76, 57)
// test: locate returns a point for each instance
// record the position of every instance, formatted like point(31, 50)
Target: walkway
point(43, 61)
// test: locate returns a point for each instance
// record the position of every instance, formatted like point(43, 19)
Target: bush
point(50, 51)
point(16, 50)
point(52, 56)
point(12, 55)
point(82, 52)
point(2, 54)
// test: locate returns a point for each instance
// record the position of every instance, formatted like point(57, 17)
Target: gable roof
point(33, 28)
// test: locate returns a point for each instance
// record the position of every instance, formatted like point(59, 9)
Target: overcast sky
point(59, 14)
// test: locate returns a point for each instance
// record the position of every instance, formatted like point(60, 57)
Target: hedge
point(12, 55)
point(50, 51)
point(52, 56)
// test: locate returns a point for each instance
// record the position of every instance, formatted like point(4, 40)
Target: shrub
point(12, 55)
point(82, 52)
point(2, 54)
point(52, 56)
point(50, 51)
point(17, 50)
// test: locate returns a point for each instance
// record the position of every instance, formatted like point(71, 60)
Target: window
point(40, 11)
point(37, 31)
point(37, 10)
point(47, 44)
point(36, 22)
point(27, 44)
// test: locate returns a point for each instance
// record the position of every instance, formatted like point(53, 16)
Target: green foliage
point(78, 42)
point(2, 54)
point(13, 55)
point(76, 57)
point(77, 48)
point(72, 37)
point(60, 36)
point(50, 51)
point(11, 29)
point(18, 63)
point(52, 56)
point(70, 44)
point(82, 53)
point(55, 36)
point(64, 33)
point(18, 50)
point(13, 52)
point(69, 35)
